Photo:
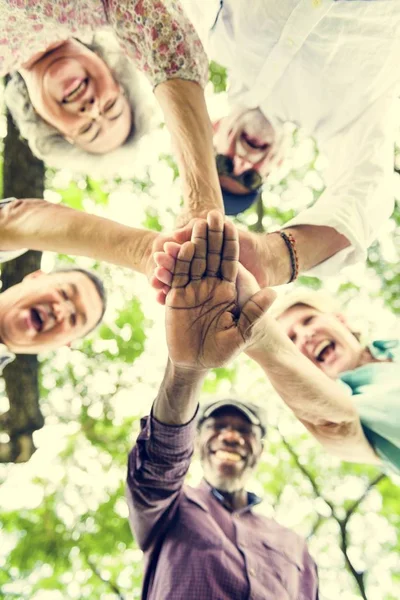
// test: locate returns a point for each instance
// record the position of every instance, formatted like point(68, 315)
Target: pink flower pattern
point(155, 34)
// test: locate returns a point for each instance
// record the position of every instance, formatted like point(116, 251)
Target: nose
point(63, 310)
point(240, 165)
point(303, 337)
point(91, 107)
point(230, 435)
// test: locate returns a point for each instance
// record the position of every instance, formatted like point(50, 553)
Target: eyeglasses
point(250, 179)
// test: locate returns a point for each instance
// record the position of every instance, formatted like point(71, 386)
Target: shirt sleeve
point(309, 578)
point(162, 41)
point(359, 196)
point(157, 466)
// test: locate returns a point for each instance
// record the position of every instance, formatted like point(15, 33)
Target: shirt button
point(252, 572)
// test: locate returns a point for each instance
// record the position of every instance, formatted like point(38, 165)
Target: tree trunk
point(23, 177)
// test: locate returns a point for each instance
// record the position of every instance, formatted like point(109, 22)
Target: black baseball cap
point(253, 413)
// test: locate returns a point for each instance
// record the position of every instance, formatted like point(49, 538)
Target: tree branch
point(357, 502)
point(111, 585)
point(342, 523)
point(307, 474)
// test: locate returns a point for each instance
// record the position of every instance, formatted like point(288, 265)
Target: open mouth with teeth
point(37, 319)
point(77, 92)
point(254, 142)
point(228, 456)
point(324, 350)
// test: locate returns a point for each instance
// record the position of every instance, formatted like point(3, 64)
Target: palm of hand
point(204, 314)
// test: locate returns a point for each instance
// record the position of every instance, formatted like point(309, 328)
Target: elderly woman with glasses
point(77, 93)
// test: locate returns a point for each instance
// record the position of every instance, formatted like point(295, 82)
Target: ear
point(34, 275)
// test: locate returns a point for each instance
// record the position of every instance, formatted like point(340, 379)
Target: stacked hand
point(205, 325)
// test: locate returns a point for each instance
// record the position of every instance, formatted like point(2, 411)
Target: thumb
point(184, 234)
point(254, 309)
point(246, 285)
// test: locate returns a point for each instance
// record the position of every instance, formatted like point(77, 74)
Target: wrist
point(176, 402)
point(186, 375)
point(269, 338)
point(187, 119)
point(277, 258)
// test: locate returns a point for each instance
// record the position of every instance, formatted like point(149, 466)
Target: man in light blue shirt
point(370, 373)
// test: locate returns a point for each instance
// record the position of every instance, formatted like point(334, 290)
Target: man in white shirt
point(331, 68)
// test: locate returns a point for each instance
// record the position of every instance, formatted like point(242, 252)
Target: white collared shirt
point(332, 68)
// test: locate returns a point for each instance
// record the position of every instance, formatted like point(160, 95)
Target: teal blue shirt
point(376, 391)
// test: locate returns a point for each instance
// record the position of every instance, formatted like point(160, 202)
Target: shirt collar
point(5, 357)
point(383, 349)
point(252, 498)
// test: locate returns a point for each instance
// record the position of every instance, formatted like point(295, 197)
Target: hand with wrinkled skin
point(252, 256)
point(205, 326)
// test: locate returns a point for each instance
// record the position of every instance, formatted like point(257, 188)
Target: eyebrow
point(76, 295)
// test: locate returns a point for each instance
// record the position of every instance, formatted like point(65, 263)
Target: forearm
point(311, 395)
point(186, 117)
point(177, 399)
point(314, 244)
point(161, 457)
point(317, 401)
point(40, 225)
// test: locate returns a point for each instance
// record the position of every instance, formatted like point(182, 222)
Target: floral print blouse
point(155, 33)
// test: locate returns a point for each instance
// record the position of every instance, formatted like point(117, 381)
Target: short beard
point(226, 483)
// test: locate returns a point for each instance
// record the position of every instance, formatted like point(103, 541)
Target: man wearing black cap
point(206, 543)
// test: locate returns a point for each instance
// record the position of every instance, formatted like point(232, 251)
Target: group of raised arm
point(77, 95)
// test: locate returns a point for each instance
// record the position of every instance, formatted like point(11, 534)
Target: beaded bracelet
point(290, 242)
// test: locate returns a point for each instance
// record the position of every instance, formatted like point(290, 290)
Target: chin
point(227, 484)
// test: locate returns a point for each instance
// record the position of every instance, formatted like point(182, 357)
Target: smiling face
point(252, 144)
point(44, 312)
point(72, 89)
point(230, 447)
point(323, 338)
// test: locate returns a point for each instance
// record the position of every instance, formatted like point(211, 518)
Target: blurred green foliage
point(218, 77)
point(75, 541)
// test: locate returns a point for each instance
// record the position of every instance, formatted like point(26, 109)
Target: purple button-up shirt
point(196, 549)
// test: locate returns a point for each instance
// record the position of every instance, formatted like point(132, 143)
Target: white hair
point(48, 144)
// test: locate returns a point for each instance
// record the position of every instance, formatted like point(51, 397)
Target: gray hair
point(49, 145)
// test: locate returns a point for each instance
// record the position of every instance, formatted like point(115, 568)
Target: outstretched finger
point(254, 309)
point(183, 262)
point(164, 260)
point(199, 239)
point(215, 239)
point(157, 283)
point(230, 253)
point(164, 276)
point(172, 248)
point(161, 297)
